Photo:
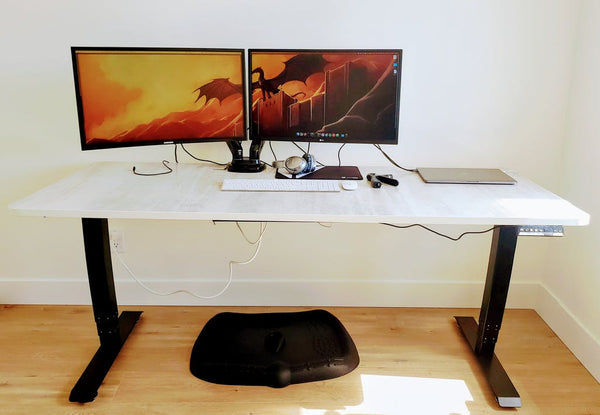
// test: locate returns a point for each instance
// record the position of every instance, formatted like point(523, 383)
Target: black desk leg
point(112, 329)
point(482, 337)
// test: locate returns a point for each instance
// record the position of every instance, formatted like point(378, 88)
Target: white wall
point(485, 83)
point(572, 281)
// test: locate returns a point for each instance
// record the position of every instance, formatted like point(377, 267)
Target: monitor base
point(246, 165)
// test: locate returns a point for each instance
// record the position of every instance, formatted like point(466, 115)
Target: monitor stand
point(241, 164)
point(330, 173)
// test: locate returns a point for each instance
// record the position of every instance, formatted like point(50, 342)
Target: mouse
point(349, 184)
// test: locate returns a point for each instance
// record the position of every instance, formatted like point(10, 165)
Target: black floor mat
point(273, 349)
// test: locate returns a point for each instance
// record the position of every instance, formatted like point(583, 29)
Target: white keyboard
point(281, 185)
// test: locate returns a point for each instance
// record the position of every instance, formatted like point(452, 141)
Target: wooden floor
point(413, 361)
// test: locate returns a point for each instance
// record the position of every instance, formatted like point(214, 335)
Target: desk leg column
point(112, 329)
point(482, 337)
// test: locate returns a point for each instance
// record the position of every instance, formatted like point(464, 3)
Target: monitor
point(146, 96)
point(337, 96)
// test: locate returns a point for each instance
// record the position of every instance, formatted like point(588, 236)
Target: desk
point(110, 190)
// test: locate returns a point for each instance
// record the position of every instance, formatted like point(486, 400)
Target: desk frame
point(113, 329)
point(109, 191)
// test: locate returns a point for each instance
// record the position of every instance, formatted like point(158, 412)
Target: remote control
point(385, 178)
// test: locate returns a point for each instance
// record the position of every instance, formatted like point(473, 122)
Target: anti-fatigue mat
point(273, 349)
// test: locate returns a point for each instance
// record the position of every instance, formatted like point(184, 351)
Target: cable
point(267, 163)
point(272, 151)
point(301, 149)
point(164, 162)
point(199, 159)
point(378, 147)
point(438, 233)
point(262, 231)
point(258, 243)
point(339, 151)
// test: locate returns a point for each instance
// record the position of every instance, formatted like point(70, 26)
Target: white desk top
point(192, 191)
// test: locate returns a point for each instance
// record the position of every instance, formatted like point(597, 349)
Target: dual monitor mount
point(241, 164)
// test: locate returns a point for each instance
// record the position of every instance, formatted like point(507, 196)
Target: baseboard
point(359, 293)
point(570, 330)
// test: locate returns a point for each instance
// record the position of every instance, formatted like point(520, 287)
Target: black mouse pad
point(273, 349)
point(327, 173)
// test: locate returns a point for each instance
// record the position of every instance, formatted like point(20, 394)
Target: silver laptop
point(464, 175)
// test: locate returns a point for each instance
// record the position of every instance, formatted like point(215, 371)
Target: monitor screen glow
point(336, 96)
point(142, 96)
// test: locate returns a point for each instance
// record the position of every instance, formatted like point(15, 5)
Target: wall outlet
point(117, 240)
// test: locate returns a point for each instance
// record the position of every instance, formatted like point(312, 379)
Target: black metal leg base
point(506, 394)
point(86, 388)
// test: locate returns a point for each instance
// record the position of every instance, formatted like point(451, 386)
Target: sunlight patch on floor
point(406, 395)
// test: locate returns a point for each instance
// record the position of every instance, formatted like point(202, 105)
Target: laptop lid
point(464, 175)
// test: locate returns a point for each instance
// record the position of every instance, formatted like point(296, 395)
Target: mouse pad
point(273, 349)
point(327, 173)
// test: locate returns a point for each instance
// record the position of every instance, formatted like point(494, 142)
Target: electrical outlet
point(117, 240)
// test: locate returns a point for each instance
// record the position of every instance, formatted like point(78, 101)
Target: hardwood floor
point(413, 361)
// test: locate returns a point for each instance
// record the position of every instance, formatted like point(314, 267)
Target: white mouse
point(349, 184)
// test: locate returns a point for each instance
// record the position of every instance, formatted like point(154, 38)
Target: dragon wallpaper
point(129, 96)
point(323, 95)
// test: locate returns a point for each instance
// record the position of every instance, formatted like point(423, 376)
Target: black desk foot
point(506, 394)
point(86, 388)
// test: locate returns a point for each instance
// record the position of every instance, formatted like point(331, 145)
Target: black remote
point(387, 180)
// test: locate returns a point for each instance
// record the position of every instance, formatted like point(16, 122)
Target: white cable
point(258, 243)
point(263, 227)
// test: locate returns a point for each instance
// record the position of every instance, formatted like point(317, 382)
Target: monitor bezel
point(108, 145)
point(352, 140)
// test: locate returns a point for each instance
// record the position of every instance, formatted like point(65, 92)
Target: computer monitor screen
point(142, 96)
point(340, 96)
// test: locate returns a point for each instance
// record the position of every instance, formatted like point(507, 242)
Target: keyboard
point(280, 185)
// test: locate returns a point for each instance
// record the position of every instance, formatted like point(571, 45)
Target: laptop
point(464, 175)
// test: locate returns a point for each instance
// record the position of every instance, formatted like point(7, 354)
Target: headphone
point(297, 164)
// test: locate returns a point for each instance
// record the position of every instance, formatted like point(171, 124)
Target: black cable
point(176, 161)
point(164, 162)
point(339, 151)
point(301, 149)
point(267, 163)
point(204, 160)
point(272, 151)
point(378, 147)
point(438, 233)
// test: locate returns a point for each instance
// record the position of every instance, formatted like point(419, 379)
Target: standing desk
point(110, 190)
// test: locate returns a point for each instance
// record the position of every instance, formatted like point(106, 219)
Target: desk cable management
point(307, 151)
point(439, 233)
point(257, 243)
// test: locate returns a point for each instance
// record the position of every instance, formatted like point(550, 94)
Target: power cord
point(439, 233)
point(258, 243)
point(338, 154)
point(164, 163)
point(199, 159)
point(378, 147)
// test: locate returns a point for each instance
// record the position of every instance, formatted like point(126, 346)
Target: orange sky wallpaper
point(132, 95)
